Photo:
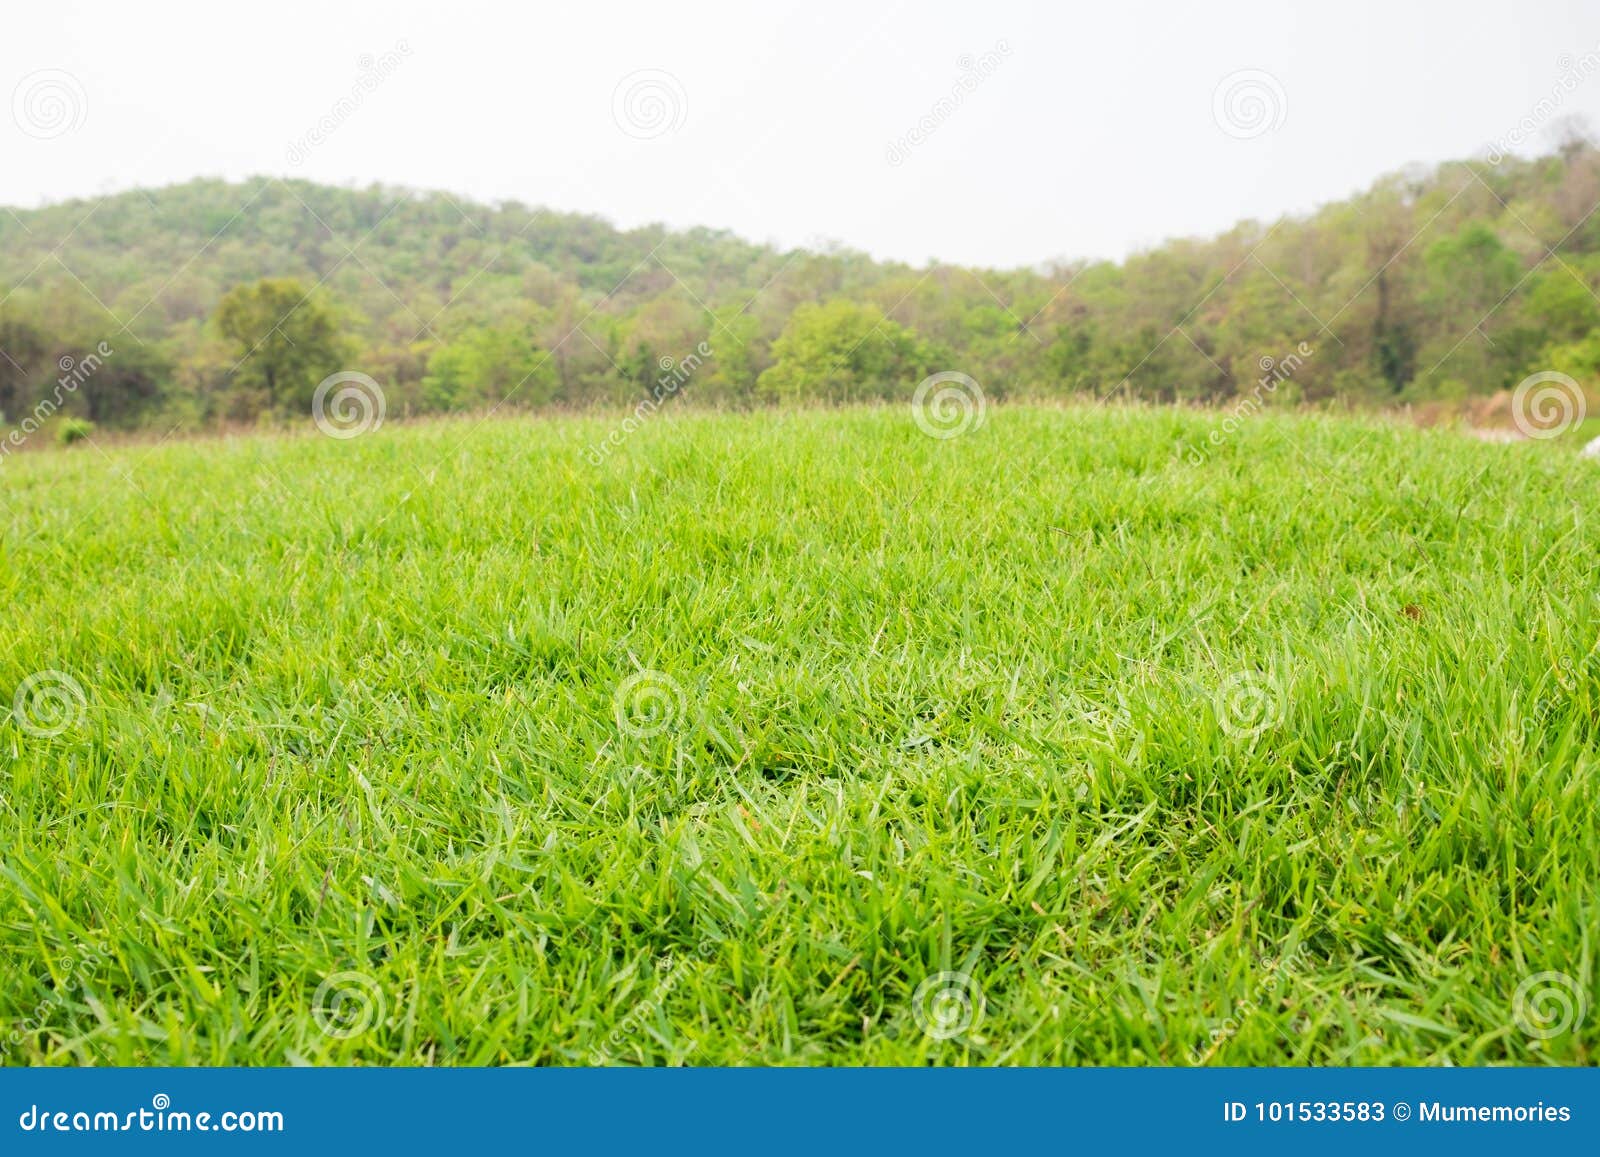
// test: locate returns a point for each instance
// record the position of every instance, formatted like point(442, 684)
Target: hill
point(1448, 283)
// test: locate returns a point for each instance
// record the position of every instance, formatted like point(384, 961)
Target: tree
point(287, 340)
point(845, 352)
point(1471, 271)
point(1560, 306)
point(1434, 281)
point(486, 367)
point(1470, 275)
point(123, 385)
point(738, 348)
point(22, 349)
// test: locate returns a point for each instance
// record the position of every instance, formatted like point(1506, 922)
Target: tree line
point(225, 302)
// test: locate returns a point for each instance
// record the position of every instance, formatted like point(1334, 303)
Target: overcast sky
point(987, 133)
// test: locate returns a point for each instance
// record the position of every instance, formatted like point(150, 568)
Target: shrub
point(74, 430)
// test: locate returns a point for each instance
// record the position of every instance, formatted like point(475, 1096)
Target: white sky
point(1094, 136)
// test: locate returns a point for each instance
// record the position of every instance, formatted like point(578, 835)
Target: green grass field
point(803, 738)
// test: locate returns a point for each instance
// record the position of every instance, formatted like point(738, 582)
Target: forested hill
point(226, 301)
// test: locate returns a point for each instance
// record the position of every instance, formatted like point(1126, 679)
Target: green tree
point(125, 384)
point(843, 351)
point(287, 340)
point(487, 366)
point(1471, 271)
point(22, 350)
point(1470, 275)
point(1560, 306)
point(728, 378)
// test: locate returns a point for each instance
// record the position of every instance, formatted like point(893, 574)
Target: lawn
point(803, 738)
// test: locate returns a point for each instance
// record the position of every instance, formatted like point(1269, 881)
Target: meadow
point(803, 737)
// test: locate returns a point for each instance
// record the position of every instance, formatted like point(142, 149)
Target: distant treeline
point(215, 302)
